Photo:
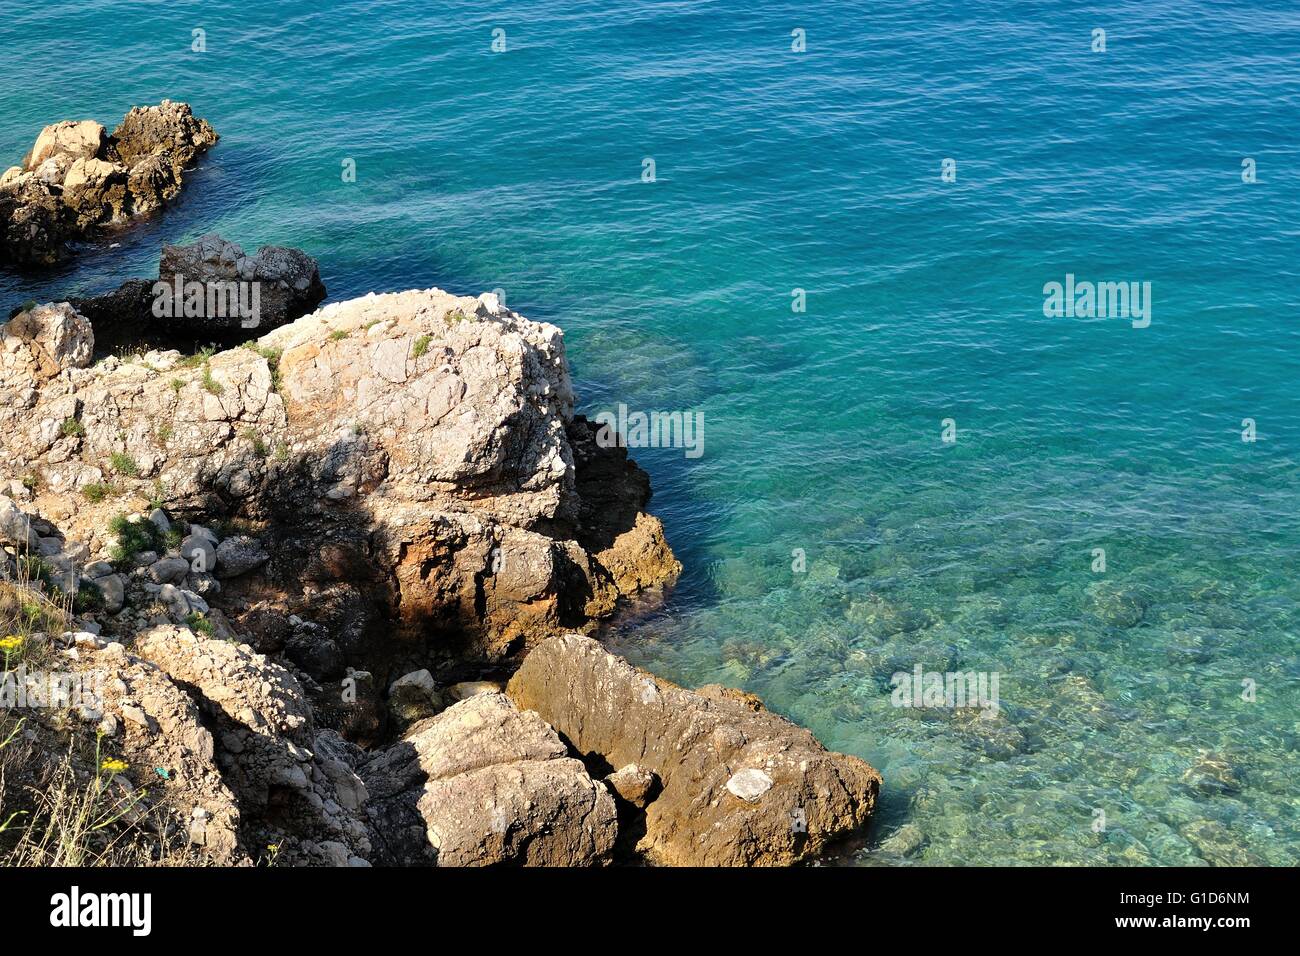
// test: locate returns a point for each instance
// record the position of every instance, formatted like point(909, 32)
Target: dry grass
point(62, 802)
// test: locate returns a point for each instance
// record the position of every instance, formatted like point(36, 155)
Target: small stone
point(113, 590)
point(750, 784)
point(204, 585)
point(414, 696)
point(471, 688)
point(907, 840)
point(97, 569)
point(160, 520)
point(15, 527)
point(634, 784)
point(199, 551)
point(49, 547)
point(202, 532)
point(168, 570)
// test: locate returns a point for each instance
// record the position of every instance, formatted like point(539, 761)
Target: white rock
point(750, 784)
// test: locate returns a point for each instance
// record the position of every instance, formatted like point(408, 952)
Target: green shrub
point(124, 464)
point(98, 491)
point(88, 599)
point(210, 384)
point(422, 345)
point(198, 358)
point(71, 427)
point(132, 538)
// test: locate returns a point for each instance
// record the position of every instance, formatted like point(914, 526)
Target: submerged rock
point(1213, 775)
point(1116, 604)
point(740, 786)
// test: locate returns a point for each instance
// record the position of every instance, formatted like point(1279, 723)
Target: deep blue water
point(821, 170)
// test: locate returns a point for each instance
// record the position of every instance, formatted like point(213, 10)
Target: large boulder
point(291, 779)
point(43, 341)
point(82, 139)
point(169, 130)
point(96, 192)
point(484, 783)
point(211, 291)
point(76, 180)
point(288, 280)
point(739, 786)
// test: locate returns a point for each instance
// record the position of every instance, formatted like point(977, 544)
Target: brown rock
point(76, 181)
point(788, 796)
point(77, 140)
point(484, 783)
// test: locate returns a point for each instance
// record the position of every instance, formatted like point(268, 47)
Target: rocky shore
point(79, 180)
point(328, 592)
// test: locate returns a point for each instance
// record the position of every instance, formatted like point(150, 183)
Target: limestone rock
point(485, 783)
point(634, 785)
point(238, 555)
point(77, 140)
point(414, 696)
point(76, 180)
point(414, 456)
point(38, 344)
point(696, 744)
point(16, 527)
point(113, 590)
point(271, 751)
point(199, 552)
point(534, 813)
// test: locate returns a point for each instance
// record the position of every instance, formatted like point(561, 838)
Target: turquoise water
point(820, 170)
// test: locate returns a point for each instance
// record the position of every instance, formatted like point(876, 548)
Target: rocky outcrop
point(739, 786)
point(283, 770)
point(482, 784)
point(77, 181)
point(207, 291)
point(37, 345)
point(412, 461)
point(161, 733)
point(304, 565)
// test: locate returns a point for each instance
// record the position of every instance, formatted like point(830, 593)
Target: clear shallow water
point(820, 171)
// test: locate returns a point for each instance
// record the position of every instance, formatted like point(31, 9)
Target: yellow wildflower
point(113, 766)
point(11, 643)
